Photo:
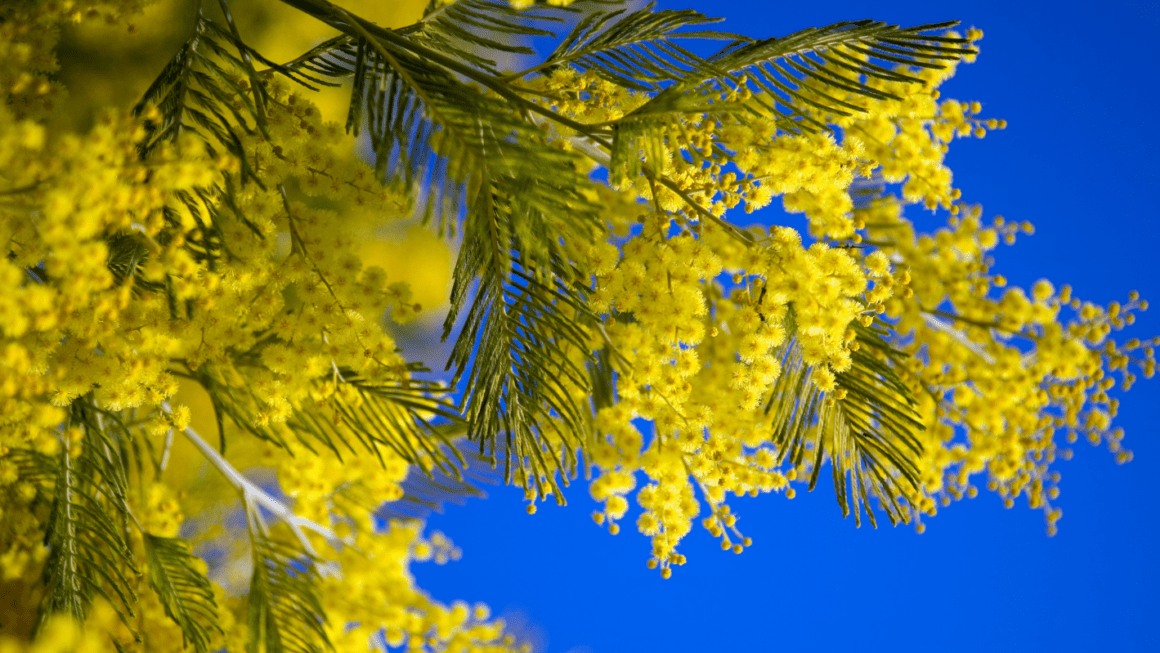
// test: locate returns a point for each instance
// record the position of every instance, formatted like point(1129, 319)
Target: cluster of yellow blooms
point(699, 365)
point(276, 309)
point(126, 285)
point(1037, 373)
point(697, 358)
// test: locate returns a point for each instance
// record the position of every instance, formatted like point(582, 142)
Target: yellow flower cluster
point(524, 4)
point(375, 597)
point(319, 481)
point(70, 321)
point(705, 395)
point(994, 376)
point(125, 278)
point(29, 33)
point(584, 97)
point(998, 376)
point(901, 139)
point(62, 634)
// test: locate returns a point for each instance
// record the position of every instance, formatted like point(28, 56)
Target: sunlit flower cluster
point(127, 278)
point(699, 354)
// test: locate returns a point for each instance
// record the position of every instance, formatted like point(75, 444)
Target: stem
point(958, 336)
point(960, 318)
point(253, 495)
point(165, 454)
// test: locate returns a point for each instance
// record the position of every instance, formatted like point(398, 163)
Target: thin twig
point(165, 454)
point(253, 495)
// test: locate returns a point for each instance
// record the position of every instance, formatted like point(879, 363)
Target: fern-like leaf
point(473, 151)
point(514, 343)
point(869, 437)
point(813, 70)
point(424, 494)
point(285, 613)
point(193, 90)
point(88, 551)
point(440, 138)
point(466, 29)
point(808, 76)
point(393, 415)
point(185, 592)
point(638, 50)
point(201, 87)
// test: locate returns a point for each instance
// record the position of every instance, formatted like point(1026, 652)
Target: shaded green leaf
point(284, 612)
point(185, 592)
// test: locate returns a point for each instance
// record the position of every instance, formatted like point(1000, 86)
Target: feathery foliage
point(284, 611)
point(638, 50)
point(184, 590)
point(868, 435)
point(194, 89)
point(87, 526)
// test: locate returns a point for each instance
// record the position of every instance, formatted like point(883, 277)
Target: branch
point(958, 336)
point(253, 494)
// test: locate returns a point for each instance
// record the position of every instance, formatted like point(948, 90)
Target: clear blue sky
point(1078, 86)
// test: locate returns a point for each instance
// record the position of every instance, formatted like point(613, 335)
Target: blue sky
point(1078, 159)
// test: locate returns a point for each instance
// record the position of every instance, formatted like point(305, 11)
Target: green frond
point(390, 415)
point(191, 94)
point(796, 71)
point(88, 520)
point(127, 251)
point(638, 50)
point(333, 58)
point(424, 494)
point(438, 137)
point(602, 380)
point(460, 149)
point(869, 437)
point(430, 129)
point(638, 144)
point(284, 613)
point(874, 433)
point(811, 71)
point(512, 343)
point(185, 592)
point(465, 28)
point(201, 91)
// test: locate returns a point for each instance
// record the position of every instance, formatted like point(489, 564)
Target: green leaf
point(789, 66)
point(392, 415)
point(333, 58)
point(512, 345)
point(471, 31)
point(812, 71)
point(185, 592)
point(638, 50)
point(424, 494)
point(88, 551)
point(467, 28)
point(285, 613)
point(881, 447)
point(189, 89)
point(869, 437)
point(198, 92)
